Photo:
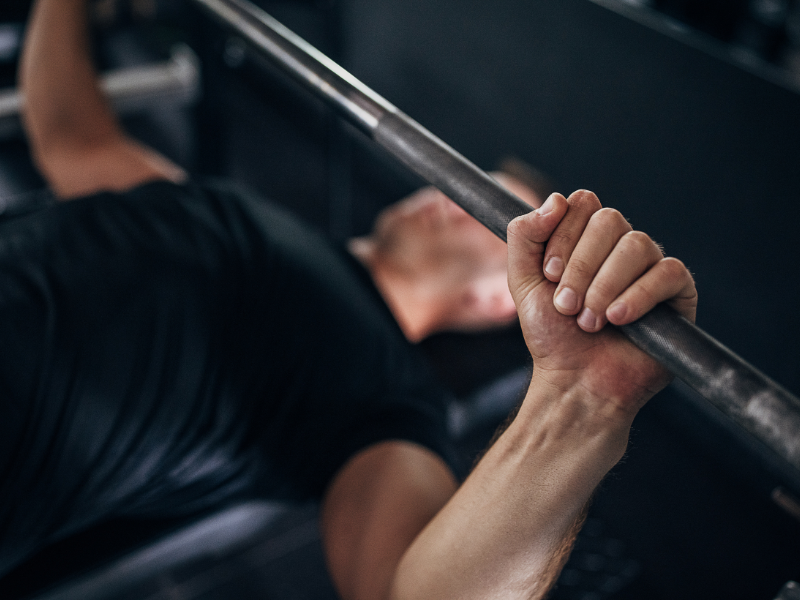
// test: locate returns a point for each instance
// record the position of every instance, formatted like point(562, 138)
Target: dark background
point(683, 115)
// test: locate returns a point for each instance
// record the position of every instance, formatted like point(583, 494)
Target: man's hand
point(508, 529)
point(574, 267)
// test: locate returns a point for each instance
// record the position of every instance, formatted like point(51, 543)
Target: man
point(436, 267)
point(174, 346)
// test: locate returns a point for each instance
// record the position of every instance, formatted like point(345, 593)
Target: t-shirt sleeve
point(175, 347)
point(336, 372)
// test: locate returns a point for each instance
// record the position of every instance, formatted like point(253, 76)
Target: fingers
point(631, 257)
point(605, 271)
point(582, 205)
point(666, 281)
point(603, 231)
point(527, 236)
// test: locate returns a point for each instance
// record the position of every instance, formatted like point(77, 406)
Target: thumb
point(527, 240)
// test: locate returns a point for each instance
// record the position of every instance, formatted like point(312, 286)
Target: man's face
point(428, 233)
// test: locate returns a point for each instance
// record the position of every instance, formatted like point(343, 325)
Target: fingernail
point(617, 312)
point(554, 267)
point(567, 300)
point(587, 320)
point(546, 207)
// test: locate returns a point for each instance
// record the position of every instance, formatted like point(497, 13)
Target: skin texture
point(394, 522)
point(437, 267)
point(76, 140)
point(506, 531)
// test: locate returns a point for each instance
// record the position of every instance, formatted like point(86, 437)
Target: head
point(449, 257)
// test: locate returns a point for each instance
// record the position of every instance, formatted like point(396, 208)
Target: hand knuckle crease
point(580, 268)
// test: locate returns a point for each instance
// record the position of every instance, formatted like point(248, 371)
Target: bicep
point(374, 509)
point(116, 165)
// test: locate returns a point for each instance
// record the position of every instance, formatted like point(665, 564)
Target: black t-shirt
point(175, 347)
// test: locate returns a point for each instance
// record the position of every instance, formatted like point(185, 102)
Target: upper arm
point(374, 509)
point(116, 164)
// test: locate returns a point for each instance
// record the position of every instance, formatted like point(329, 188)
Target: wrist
point(559, 408)
point(611, 393)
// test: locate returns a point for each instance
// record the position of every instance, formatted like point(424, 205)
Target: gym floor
point(687, 514)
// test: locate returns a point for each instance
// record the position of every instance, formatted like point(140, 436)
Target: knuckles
point(584, 200)
point(580, 270)
point(559, 239)
point(609, 219)
point(639, 242)
point(525, 232)
point(675, 269)
point(520, 227)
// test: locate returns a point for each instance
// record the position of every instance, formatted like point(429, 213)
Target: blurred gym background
point(684, 114)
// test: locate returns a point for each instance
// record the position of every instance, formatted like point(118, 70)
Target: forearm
point(75, 138)
point(507, 530)
point(63, 100)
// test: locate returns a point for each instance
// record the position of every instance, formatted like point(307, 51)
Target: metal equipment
point(791, 591)
point(750, 398)
point(130, 90)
